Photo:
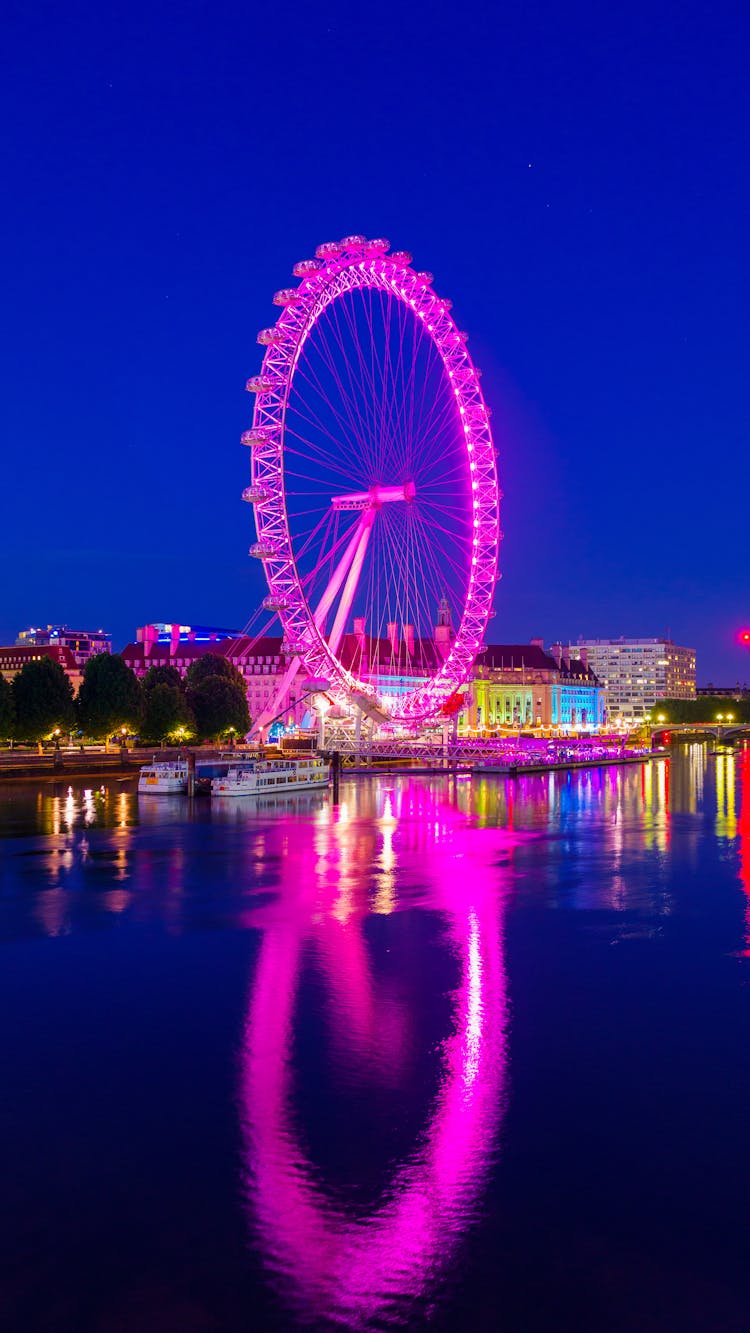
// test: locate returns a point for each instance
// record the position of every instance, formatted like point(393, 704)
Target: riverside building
point(521, 685)
point(261, 662)
point(394, 662)
point(82, 643)
point(637, 673)
point(513, 685)
point(15, 656)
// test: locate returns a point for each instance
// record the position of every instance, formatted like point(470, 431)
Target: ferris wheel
point(374, 484)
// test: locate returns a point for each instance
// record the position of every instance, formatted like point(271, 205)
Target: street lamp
point(321, 704)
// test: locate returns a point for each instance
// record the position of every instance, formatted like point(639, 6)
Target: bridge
point(718, 731)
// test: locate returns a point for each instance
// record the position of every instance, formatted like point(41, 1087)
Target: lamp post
point(719, 720)
point(321, 704)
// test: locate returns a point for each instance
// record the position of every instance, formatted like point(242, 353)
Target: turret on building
point(444, 628)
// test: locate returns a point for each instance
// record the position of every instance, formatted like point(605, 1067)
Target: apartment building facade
point(637, 673)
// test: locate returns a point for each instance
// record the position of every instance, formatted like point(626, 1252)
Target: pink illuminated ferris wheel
point(374, 483)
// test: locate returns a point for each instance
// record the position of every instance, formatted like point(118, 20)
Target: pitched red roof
point(14, 656)
point(160, 653)
point(516, 656)
point(370, 655)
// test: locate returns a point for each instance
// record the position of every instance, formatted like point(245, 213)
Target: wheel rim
point(329, 288)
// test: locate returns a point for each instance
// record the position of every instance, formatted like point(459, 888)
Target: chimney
point(409, 638)
point(565, 653)
point(584, 656)
point(147, 635)
point(556, 651)
point(537, 643)
point(359, 631)
point(174, 641)
point(393, 636)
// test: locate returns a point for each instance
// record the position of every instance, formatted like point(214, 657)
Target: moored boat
point(266, 777)
point(164, 777)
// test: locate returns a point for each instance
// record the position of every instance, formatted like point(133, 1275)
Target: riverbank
point(56, 766)
point(569, 765)
point(503, 770)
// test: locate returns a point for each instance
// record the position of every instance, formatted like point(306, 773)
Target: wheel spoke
point(379, 417)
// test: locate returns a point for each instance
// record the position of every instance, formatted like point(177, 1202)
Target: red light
point(453, 704)
point(744, 636)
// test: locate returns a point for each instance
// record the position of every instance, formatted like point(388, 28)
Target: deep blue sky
point(576, 176)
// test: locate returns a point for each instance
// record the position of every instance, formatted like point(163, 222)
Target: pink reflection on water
point(743, 831)
point(344, 1264)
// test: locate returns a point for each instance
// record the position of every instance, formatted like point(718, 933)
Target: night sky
point(576, 177)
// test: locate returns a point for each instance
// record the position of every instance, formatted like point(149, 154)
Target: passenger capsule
point(256, 437)
point(328, 250)
point(287, 296)
point(258, 384)
point(268, 336)
point(305, 267)
point(401, 257)
point(255, 494)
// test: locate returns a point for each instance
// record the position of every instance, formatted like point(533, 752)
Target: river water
point(457, 1053)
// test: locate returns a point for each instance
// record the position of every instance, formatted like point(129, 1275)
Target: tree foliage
point(705, 708)
point(219, 706)
point(109, 697)
point(211, 664)
point(161, 675)
point(165, 709)
point(7, 711)
point(42, 700)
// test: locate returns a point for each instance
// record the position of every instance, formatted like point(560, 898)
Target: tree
point(210, 664)
point(219, 706)
point(706, 708)
point(42, 700)
point(161, 675)
point(109, 697)
point(165, 711)
point(7, 712)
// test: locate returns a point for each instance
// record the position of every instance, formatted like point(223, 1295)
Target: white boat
point(164, 777)
point(266, 777)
